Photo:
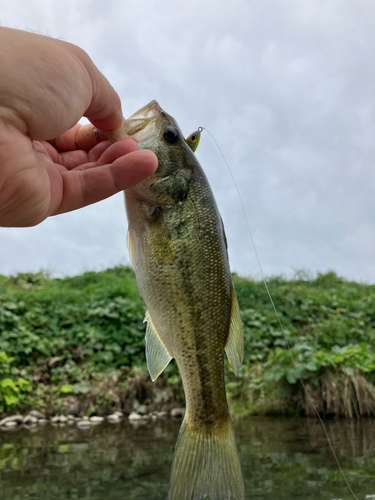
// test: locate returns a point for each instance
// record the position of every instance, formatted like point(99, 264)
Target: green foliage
point(329, 326)
point(306, 362)
point(67, 388)
point(5, 363)
point(327, 322)
point(67, 333)
point(11, 388)
point(73, 327)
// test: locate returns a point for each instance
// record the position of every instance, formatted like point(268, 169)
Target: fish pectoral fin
point(157, 355)
point(234, 347)
point(130, 247)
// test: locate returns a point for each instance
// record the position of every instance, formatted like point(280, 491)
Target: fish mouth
point(151, 110)
point(141, 126)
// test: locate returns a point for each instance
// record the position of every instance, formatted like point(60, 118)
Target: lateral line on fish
point(200, 129)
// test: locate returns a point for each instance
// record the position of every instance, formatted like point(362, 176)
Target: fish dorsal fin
point(156, 353)
point(234, 347)
point(130, 247)
point(224, 235)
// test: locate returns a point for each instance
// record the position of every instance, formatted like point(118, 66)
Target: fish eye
point(170, 135)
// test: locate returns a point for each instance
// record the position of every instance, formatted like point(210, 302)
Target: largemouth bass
point(178, 250)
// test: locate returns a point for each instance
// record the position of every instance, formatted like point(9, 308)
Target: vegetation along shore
point(74, 348)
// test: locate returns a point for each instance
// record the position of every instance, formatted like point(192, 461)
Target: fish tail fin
point(206, 464)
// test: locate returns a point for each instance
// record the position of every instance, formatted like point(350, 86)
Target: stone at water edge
point(113, 419)
point(134, 417)
point(37, 414)
point(177, 412)
point(141, 410)
point(11, 424)
point(30, 420)
point(95, 419)
point(14, 418)
point(161, 414)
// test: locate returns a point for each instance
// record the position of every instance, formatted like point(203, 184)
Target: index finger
point(83, 137)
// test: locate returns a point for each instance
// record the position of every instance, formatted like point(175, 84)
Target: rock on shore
point(34, 418)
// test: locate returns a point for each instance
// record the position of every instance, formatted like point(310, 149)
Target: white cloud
point(287, 88)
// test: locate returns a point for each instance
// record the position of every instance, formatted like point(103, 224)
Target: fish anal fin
point(234, 347)
point(130, 246)
point(157, 354)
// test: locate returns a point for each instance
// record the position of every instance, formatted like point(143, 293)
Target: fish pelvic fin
point(130, 246)
point(234, 348)
point(157, 355)
point(206, 464)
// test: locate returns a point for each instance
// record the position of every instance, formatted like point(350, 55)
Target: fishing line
point(200, 129)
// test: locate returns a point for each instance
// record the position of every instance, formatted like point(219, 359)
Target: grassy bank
point(76, 345)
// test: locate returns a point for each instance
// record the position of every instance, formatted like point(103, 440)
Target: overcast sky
point(286, 87)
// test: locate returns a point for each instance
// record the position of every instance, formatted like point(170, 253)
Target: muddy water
point(283, 459)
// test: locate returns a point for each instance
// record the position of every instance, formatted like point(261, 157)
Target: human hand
point(46, 85)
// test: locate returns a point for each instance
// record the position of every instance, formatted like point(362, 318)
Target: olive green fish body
point(178, 250)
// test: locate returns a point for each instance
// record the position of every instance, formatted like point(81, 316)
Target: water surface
point(282, 459)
